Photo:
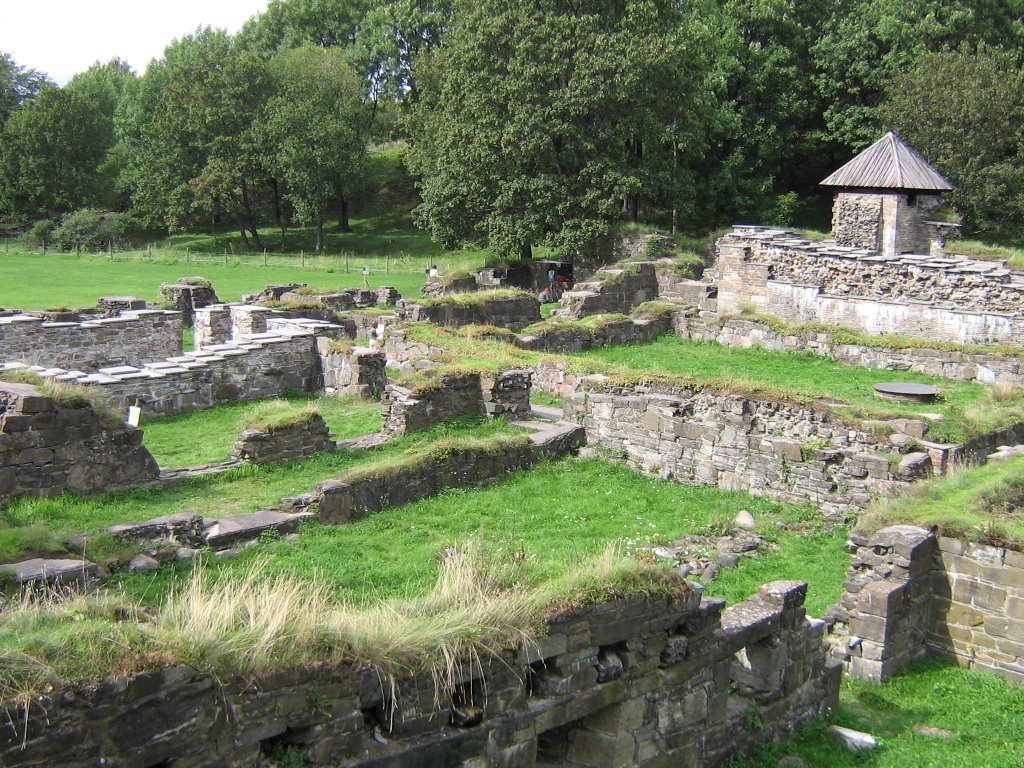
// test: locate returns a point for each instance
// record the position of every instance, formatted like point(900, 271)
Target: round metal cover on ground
point(902, 390)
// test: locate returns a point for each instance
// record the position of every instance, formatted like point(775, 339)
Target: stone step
point(52, 572)
point(546, 412)
point(227, 531)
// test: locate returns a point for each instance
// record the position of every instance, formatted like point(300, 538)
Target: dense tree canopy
point(536, 118)
point(965, 111)
point(50, 151)
point(313, 131)
point(528, 122)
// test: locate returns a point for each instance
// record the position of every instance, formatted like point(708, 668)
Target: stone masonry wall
point(857, 219)
point(612, 289)
point(910, 592)
point(785, 451)
point(348, 496)
point(634, 682)
point(942, 363)
point(517, 311)
point(566, 337)
point(264, 366)
point(296, 441)
point(358, 371)
point(47, 449)
point(949, 298)
point(407, 410)
point(130, 338)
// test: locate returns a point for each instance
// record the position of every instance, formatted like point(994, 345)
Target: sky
point(63, 37)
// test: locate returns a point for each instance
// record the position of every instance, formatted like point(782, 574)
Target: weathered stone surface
point(295, 441)
point(52, 572)
point(58, 448)
point(908, 593)
point(734, 442)
point(499, 310)
point(914, 295)
point(612, 289)
point(131, 338)
point(224, 532)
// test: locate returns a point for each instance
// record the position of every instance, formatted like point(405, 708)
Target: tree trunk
point(242, 231)
point(318, 244)
point(276, 190)
point(343, 212)
point(526, 252)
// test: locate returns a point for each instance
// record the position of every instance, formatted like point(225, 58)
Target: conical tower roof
point(889, 163)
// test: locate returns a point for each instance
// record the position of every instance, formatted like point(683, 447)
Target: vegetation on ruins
point(984, 504)
point(232, 625)
point(207, 436)
point(934, 713)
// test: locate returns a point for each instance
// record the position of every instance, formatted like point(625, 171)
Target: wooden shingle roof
point(889, 163)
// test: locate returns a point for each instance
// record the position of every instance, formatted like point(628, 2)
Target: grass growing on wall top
point(233, 625)
point(203, 437)
point(984, 503)
point(969, 409)
point(842, 335)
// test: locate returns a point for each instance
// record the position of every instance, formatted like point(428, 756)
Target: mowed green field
point(396, 253)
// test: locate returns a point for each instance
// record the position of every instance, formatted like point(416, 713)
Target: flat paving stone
point(52, 572)
point(227, 531)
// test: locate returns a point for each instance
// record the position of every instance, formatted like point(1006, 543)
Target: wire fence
point(340, 262)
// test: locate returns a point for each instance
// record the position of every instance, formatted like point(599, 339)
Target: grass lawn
point(933, 715)
point(28, 526)
point(984, 503)
point(396, 252)
point(554, 517)
point(969, 409)
point(204, 437)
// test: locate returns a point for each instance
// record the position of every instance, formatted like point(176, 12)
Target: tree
point(295, 23)
point(392, 34)
point(104, 85)
point(964, 111)
point(50, 150)
point(538, 119)
point(314, 131)
point(192, 132)
point(868, 42)
point(18, 85)
point(765, 124)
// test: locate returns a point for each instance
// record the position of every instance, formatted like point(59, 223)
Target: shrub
point(41, 232)
point(91, 229)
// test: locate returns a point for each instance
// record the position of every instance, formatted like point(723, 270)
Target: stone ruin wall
point(358, 371)
point(856, 219)
point(946, 299)
point(910, 592)
point(341, 499)
point(633, 682)
point(47, 448)
point(259, 368)
point(296, 441)
point(407, 410)
point(612, 289)
point(787, 452)
point(132, 337)
point(514, 312)
point(941, 363)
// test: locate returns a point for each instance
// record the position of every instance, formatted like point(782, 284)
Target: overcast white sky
point(62, 37)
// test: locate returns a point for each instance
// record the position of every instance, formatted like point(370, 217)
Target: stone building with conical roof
point(885, 199)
